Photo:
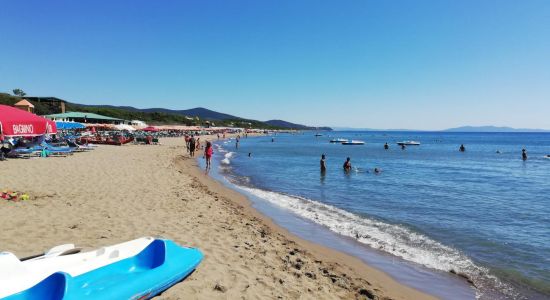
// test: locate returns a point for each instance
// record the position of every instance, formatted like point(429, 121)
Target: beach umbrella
point(150, 128)
point(68, 125)
point(17, 122)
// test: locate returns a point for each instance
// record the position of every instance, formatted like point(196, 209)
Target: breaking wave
point(394, 239)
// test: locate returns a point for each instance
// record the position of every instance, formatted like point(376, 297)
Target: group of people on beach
point(193, 145)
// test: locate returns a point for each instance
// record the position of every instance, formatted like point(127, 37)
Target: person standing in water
point(208, 151)
point(347, 165)
point(237, 143)
point(323, 164)
point(523, 154)
point(462, 148)
point(386, 146)
point(403, 147)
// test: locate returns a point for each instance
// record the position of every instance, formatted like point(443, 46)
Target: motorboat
point(353, 142)
point(338, 140)
point(408, 143)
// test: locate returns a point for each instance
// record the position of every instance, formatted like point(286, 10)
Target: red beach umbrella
point(17, 122)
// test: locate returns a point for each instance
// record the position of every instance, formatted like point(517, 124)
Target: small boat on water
point(138, 269)
point(339, 140)
point(318, 134)
point(353, 142)
point(408, 143)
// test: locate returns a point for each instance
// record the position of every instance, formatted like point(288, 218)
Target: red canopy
point(17, 122)
point(150, 128)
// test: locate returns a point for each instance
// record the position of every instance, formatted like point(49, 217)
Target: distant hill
point(285, 124)
point(200, 112)
point(164, 116)
point(492, 129)
point(210, 115)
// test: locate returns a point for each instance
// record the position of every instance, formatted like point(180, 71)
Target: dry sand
point(114, 194)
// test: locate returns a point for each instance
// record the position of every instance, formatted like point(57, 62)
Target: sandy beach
point(114, 194)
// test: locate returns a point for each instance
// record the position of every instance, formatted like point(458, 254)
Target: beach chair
point(78, 148)
point(56, 151)
point(22, 153)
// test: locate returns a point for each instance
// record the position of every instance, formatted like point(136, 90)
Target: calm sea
point(484, 213)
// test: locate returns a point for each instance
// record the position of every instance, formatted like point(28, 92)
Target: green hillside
point(154, 118)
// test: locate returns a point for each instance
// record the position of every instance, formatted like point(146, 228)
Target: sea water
point(483, 213)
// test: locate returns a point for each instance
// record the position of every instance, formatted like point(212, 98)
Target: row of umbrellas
point(17, 122)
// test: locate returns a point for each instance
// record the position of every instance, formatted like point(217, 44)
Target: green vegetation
point(155, 118)
point(39, 108)
point(19, 92)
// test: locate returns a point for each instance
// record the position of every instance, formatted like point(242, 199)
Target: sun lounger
point(22, 153)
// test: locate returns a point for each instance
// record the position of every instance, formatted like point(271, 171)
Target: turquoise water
point(479, 213)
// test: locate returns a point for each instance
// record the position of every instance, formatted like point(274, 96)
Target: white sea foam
point(227, 156)
point(397, 240)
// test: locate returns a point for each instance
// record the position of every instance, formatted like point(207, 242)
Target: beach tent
point(68, 125)
point(17, 122)
point(151, 129)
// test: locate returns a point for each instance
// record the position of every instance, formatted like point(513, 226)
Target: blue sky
point(379, 64)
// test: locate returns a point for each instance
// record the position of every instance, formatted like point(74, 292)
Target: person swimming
point(386, 146)
point(377, 171)
point(403, 147)
point(347, 165)
point(462, 148)
point(323, 164)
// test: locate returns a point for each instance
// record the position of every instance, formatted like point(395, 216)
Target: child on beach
point(208, 151)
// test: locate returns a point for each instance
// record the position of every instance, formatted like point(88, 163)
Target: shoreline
point(342, 262)
point(115, 194)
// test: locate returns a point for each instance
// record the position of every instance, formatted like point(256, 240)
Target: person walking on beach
point(323, 164)
point(192, 146)
point(347, 165)
point(524, 154)
point(187, 139)
point(208, 151)
point(462, 148)
point(386, 146)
